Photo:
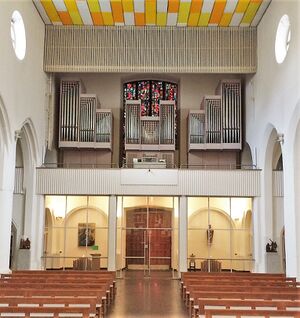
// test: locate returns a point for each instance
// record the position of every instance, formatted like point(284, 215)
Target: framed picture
point(86, 234)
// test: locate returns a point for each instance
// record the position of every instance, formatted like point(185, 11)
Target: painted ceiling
point(191, 13)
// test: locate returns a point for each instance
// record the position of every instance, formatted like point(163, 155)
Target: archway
point(25, 216)
point(6, 186)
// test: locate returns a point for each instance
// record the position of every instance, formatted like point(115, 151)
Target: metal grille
point(150, 49)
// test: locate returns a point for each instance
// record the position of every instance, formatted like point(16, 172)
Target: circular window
point(17, 33)
point(283, 37)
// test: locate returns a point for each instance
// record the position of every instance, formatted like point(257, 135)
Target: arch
point(29, 142)
point(84, 207)
point(219, 211)
point(5, 130)
point(270, 144)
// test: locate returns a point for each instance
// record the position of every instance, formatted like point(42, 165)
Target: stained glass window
point(150, 93)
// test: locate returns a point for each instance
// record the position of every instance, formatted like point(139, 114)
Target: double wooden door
point(148, 238)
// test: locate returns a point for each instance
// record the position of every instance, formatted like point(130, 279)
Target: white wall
point(22, 91)
point(272, 98)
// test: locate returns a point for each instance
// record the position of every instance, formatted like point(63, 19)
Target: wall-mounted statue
point(25, 244)
point(210, 235)
point(271, 247)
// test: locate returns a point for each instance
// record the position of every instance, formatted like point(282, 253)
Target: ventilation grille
point(150, 49)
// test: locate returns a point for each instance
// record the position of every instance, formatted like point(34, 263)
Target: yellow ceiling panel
point(184, 11)
point(190, 13)
point(204, 19)
point(242, 6)
point(128, 5)
point(93, 5)
point(108, 18)
point(251, 11)
point(51, 10)
point(226, 19)
point(161, 18)
point(73, 11)
point(150, 7)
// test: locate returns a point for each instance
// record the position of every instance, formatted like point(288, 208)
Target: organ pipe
point(82, 124)
point(152, 132)
point(220, 115)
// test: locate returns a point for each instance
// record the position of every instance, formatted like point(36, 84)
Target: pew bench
point(55, 312)
point(203, 304)
point(236, 313)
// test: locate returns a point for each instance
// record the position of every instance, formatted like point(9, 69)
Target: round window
point(17, 33)
point(283, 37)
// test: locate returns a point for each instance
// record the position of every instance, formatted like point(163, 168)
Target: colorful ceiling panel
point(191, 13)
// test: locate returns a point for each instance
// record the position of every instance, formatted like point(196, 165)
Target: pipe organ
point(149, 132)
point(217, 125)
point(82, 123)
point(230, 90)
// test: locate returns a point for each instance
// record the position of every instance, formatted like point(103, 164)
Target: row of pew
point(55, 293)
point(240, 295)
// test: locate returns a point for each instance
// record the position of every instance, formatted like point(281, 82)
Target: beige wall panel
point(150, 49)
point(245, 183)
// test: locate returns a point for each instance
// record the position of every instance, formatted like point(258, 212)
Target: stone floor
point(157, 296)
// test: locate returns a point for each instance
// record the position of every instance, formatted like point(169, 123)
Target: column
point(183, 212)
point(258, 237)
point(6, 199)
point(112, 227)
point(291, 205)
point(6, 202)
point(38, 234)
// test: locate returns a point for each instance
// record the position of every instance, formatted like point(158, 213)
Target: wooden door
point(148, 236)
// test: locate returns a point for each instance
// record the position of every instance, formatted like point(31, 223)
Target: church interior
point(149, 137)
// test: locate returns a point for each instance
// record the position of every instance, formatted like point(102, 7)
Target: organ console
point(217, 125)
point(82, 123)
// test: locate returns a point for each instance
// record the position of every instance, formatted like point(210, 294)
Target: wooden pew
point(235, 313)
point(55, 312)
point(204, 304)
point(243, 296)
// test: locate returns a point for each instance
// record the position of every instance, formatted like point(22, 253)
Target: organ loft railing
point(217, 125)
point(82, 123)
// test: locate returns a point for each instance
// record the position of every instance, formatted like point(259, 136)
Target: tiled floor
point(158, 296)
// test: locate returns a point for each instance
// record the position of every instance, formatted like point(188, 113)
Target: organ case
point(149, 132)
point(82, 124)
point(217, 126)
